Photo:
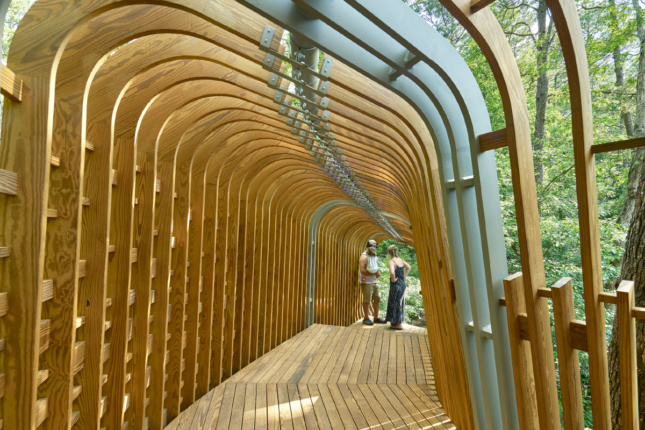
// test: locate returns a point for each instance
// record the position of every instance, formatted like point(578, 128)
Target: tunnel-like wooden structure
point(161, 228)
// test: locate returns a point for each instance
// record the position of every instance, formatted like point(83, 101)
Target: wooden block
point(138, 168)
point(75, 416)
point(494, 139)
point(627, 356)
point(41, 411)
point(104, 404)
point(136, 201)
point(115, 177)
point(8, 182)
point(107, 325)
point(52, 213)
point(45, 328)
point(478, 5)
point(158, 186)
point(132, 297)
point(2, 384)
point(55, 161)
point(82, 268)
point(42, 376)
point(48, 290)
point(76, 391)
point(85, 201)
point(10, 85)
point(5, 251)
point(2, 344)
point(152, 296)
point(155, 233)
point(104, 379)
point(128, 357)
point(4, 304)
point(153, 269)
point(134, 255)
point(108, 302)
point(79, 356)
point(106, 352)
point(578, 333)
point(80, 321)
point(111, 248)
point(130, 325)
point(89, 146)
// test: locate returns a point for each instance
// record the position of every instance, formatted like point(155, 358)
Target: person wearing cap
point(369, 273)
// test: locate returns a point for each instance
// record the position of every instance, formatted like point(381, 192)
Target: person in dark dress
point(399, 269)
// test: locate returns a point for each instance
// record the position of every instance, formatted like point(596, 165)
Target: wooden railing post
point(627, 356)
point(563, 314)
point(520, 354)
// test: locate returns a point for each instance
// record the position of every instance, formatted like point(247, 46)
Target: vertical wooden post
point(520, 354)
point(627, 356)
point(564, 313)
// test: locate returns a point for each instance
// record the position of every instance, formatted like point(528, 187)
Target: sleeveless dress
point(396, 298)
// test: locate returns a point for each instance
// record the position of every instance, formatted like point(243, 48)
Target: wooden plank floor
point(329, 377)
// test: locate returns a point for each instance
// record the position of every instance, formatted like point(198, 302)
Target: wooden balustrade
point(571, 337)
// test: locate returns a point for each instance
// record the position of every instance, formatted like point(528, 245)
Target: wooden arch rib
point(176, 171)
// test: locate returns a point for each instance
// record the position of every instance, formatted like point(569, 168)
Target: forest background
point(615, 44)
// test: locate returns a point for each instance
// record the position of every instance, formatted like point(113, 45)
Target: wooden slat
point(85, 201)
point(569, 365)
point(520, 353)
point(48, 290)
point(45, 328)
point(42, 411)
point(89, 146)
point(619, 145)
point(79, 356)
point(10, 85)
point(134, 255)
point(82, 268)
point(8, 182)
point(115, 177)
point(55, 161)
point(627, 356)
point(494, 139)
point(4, 304)
point(608, 298)
point(52, 213)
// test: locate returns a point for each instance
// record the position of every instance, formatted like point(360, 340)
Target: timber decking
point(329, 377)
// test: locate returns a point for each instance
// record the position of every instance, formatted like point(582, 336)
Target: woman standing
point(399, 269)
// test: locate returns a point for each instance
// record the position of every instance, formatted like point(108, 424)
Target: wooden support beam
point(569, 365)
point(627, 356)
point(618, 145)
point(477, 5)
point(520, 354)
point(10, 85)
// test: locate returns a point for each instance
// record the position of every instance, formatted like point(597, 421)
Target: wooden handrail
point(618, 145)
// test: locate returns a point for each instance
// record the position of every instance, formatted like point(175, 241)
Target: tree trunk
point(542, 46)
point(633, 266)
point(634, 127)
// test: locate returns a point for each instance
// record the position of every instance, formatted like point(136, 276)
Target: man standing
point(369, 284)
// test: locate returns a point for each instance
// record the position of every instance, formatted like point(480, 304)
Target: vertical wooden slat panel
point(142, 284)
point(194, 273)
point(160, 283)
point(118, 286)
point(569, 365)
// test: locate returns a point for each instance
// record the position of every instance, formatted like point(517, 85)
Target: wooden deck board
point(329, 377)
